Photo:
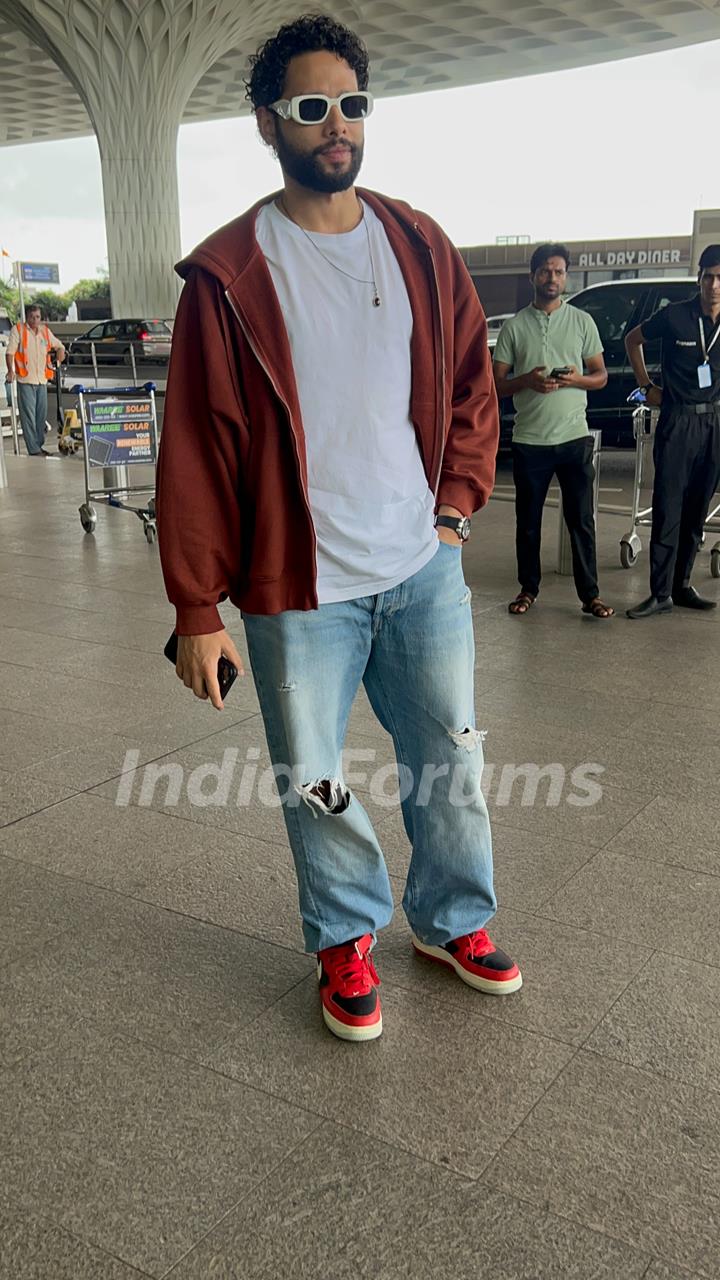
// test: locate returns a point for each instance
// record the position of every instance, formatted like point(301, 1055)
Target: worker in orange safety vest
point(30, 366)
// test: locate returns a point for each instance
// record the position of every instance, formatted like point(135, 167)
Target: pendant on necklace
point(376, 300)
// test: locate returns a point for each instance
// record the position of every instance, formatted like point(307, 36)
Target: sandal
point(521, 603)
point(598, 609)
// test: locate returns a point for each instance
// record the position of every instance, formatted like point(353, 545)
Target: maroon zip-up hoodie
point(233, 513)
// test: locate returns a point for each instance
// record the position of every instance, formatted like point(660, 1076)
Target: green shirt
point(533, 339)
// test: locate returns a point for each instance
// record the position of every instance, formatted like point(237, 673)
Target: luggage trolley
point(645, 422)
point(119, 429)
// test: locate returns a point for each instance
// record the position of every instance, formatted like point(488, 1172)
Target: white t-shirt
point(369, 497)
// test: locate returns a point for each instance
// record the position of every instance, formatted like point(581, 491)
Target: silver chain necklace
point(376, 299)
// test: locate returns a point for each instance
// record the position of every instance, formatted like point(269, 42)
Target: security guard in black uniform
point(687, 439)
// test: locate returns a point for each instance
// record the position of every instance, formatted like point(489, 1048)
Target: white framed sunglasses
point(314, 108)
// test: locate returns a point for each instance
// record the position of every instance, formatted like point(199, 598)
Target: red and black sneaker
point(476, 960)
point(348, 990)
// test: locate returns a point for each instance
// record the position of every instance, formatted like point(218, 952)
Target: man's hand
point(9, 375)
point(197, 663)
point(571, 379)
point(538, 381)
point(654, 397)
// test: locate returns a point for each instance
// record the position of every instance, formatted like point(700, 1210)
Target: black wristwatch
point(460, 525)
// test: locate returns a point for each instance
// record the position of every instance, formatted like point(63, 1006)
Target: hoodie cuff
point(197, 620)
point(458, 494)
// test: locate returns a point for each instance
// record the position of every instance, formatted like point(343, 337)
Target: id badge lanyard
point(704, 370)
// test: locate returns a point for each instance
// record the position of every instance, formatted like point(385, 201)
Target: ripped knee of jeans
point(327, 796)
point(467, 739)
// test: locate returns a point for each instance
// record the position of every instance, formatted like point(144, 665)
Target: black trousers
point(534, 466)
point(687, 474)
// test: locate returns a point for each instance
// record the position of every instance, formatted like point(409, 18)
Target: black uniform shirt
point(677, 325)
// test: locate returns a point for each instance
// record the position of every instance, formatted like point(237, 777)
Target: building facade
point(501, 271)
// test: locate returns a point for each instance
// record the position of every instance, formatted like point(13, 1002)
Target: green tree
point(54, 305)
point(9, 300)
point(97, 288)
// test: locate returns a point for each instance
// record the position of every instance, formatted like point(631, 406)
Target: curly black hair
point(308, 34)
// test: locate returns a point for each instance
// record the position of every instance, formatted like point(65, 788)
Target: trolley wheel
point(715, 562)
point(88, 517)
point(150, 530)
point(630, 548)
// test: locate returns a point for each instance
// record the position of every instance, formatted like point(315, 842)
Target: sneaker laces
point(356, 971)
point(479, 944)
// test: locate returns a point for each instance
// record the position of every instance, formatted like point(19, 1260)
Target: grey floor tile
point(668, 1271)
point(100, 758)
point(85, 598)
point(128, 967)
point(28, 738)
point(570, 978)
point(188, 721)
point(237, 882)
point(667, 1021)
point(476, 1077)
point(675, 831)
point(139, 1152)
point(612, 1145)
point(78, 702)
point(695, 724)
point(23, 793)
point(36, 905)
point(90, 838)
point(528, 699)
point(34, 1249)
point(214, 784)
point(643, 903)
point(590, 814)
point(658, 680)
point(530, 867)
point(343, 1207)
point(109, 663)
point(512, 742)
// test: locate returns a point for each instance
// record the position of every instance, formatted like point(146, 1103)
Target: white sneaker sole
point(488, 985)
point(344, 1032)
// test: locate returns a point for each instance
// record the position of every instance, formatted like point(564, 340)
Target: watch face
point(463, 528)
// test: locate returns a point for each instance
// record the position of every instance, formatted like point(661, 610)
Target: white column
point(142, 217)
point(135, 65)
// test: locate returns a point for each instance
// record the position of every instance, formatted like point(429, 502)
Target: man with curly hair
point(330, 426)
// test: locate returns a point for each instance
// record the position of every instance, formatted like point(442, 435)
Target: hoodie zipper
point(264, 366)
point(440, 382)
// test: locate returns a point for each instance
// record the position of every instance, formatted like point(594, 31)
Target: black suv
point(617, 306)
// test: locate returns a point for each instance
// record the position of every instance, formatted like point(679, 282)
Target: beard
point(305, 167)
point(548, 291)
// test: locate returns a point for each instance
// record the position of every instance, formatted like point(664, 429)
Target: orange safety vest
point(21, 358)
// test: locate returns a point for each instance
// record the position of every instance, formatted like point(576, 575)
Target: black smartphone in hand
point(227, 672)
point(561, 372)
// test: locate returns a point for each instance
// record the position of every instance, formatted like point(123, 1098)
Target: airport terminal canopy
point(132, 71)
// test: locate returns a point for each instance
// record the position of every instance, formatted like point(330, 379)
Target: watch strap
point(455, 523)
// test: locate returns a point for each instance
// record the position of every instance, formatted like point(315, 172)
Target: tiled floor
point(170, 1103)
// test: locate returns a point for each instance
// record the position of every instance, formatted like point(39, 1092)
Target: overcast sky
point(623, 149)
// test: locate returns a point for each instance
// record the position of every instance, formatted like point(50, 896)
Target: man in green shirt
point(547, 358)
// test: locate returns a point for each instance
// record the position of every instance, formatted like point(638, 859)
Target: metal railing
point(94, 350)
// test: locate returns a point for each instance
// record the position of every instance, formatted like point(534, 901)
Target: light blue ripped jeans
point(412, 647)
